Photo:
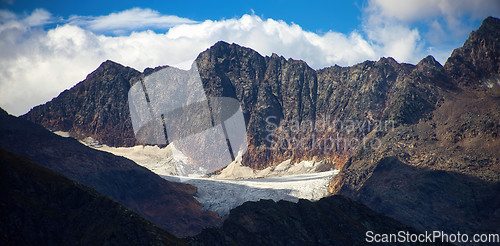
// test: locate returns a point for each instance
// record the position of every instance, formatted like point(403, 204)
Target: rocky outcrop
point(274, 90)
point(167, 204)
point(39, 206)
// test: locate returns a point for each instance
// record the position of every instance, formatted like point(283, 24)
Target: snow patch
point(91, 142)
point(62, 134)
point(162, 161)
point(236, 170)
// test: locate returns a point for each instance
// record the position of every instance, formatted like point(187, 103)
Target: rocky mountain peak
point(428, 61)
point(387, 61)
point(275, 56)
point(96, 107)
point(110, 63)
point(286, 89)
point(108, 71)
point(489, 27)
point(432, 72)
point(147, 71)
point(222, 49)
point(476, 63)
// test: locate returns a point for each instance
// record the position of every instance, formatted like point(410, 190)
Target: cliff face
point(324, 114)
point(293, 111)
point(39, 206)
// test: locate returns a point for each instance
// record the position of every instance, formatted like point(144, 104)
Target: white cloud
point(446, 20)
point(394, 39)
point(37, 64)
point(409, 30)
point(129, 20)
point(410, 10)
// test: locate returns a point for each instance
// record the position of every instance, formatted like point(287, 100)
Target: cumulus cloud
point(38, 61)
point(409, 30)
point(37, 64)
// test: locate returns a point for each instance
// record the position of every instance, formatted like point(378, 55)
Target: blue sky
point(48, 46)
point(317, 16)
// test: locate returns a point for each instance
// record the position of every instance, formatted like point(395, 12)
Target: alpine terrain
point(407, 147)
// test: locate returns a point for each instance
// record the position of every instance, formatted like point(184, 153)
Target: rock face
point(333, 220)
point(296, 112)
point(38, 205)
point(167, 204)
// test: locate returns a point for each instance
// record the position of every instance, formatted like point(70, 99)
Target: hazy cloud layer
point(39, 61)
point(129, 20)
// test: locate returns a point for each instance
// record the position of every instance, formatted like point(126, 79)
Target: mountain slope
point(39, 206)
point(333, 220)
point(96, 107)
point(446, 165)
point(167, 204)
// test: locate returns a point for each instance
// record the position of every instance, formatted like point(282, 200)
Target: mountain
point(167, 204)
point(446, 165)
point(288, 91)
point(97, 107)
point(62, 212)
point(334, 220)
point(409, 139)
point(40, 206)
point(476, 64)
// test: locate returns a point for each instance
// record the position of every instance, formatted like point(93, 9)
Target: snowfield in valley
point(221, 195)
point(235, 184)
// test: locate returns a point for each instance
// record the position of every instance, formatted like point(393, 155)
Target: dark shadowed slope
point(41, 207)
point(333, 220)
point(167, 204)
